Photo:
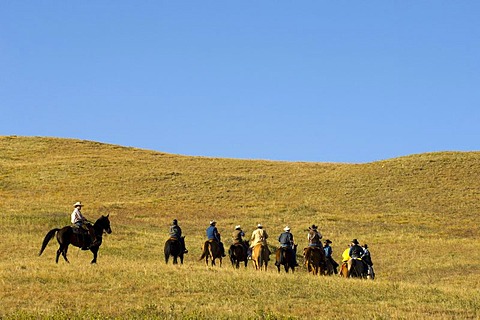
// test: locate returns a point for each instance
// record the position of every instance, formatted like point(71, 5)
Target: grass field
point(419, 215)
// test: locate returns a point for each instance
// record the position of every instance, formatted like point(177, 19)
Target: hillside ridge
point(105, 174)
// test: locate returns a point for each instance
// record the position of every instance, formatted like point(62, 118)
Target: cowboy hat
point(238, 227)
point(287, 228)
point(78, 204)
point(212, 222)
point(259, 225)
point(313, 227)
point(355, 241)
point(328, 241)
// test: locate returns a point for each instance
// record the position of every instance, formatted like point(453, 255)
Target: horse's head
point(103, 223)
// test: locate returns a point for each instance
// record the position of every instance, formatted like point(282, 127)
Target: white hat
point(238, 227)
point(78, 203)
point(213, 222)
point(287, 228)
point(259, 225)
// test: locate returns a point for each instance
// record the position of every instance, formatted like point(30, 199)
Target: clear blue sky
point(321, 81)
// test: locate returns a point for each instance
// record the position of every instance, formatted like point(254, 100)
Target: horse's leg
point(166, 258)
point(95, 252)
point(181, 258)
point(64, 253)
point(175, 259)
point(59, 251)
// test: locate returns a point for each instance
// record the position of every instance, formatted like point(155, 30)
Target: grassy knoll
point(418, 214)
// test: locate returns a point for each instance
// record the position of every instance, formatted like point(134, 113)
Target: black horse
point(66, 236)
point(238, 253)
point(358, 269)
point(174, 248)
point(287, 258)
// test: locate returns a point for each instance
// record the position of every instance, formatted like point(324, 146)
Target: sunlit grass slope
point(419, 215)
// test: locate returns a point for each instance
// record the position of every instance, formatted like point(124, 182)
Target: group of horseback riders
point(286, 243)
point(259, 236)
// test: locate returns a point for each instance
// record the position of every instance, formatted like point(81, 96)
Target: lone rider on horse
point(82, 223)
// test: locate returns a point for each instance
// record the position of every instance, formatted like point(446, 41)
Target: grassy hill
point(417, 213)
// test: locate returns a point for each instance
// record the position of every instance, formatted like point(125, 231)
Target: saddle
point(78, 230)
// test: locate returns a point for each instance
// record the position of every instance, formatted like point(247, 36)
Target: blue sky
point(320, 81)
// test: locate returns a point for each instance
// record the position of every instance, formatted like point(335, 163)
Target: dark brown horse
point(66, 236)
point(286, 258)
point(357, 268)
point(175, 248)
point(238, 254)
point(260, 256)
point(329, 268)
point(315, 260)
point(211, 249)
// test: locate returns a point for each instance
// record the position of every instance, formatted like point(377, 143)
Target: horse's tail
point(204, 251)
point(47, 239)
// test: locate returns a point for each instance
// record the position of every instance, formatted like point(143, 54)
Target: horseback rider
point(214, 235)
point(82, 223)
point(176, 234)
point(259, 236)
point(328, 255)
point(287, 243)
point(355, 251)
point(237, 237)
point(314, 237)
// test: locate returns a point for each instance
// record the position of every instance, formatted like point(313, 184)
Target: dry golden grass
point(417, 213)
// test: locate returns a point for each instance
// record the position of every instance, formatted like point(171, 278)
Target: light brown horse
point(260, 256)
point(211, 249)
point(315, 260)
point(344, 270)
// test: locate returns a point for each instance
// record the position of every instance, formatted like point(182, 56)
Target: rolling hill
point(420, 211)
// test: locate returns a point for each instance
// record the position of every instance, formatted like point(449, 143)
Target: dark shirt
point(314, 239)
point(286, 239)
point(212, 233)
point(328, 251)
point(355, 252)
point(175, 231)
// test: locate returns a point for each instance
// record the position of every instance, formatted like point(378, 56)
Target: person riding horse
point(237, 237)
point(314, 237)
point(259, 236)
point(83, 225)
point(356, 252)
point(328, 255)
point(214, 235)
point(287, 244)
point(176, 234)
